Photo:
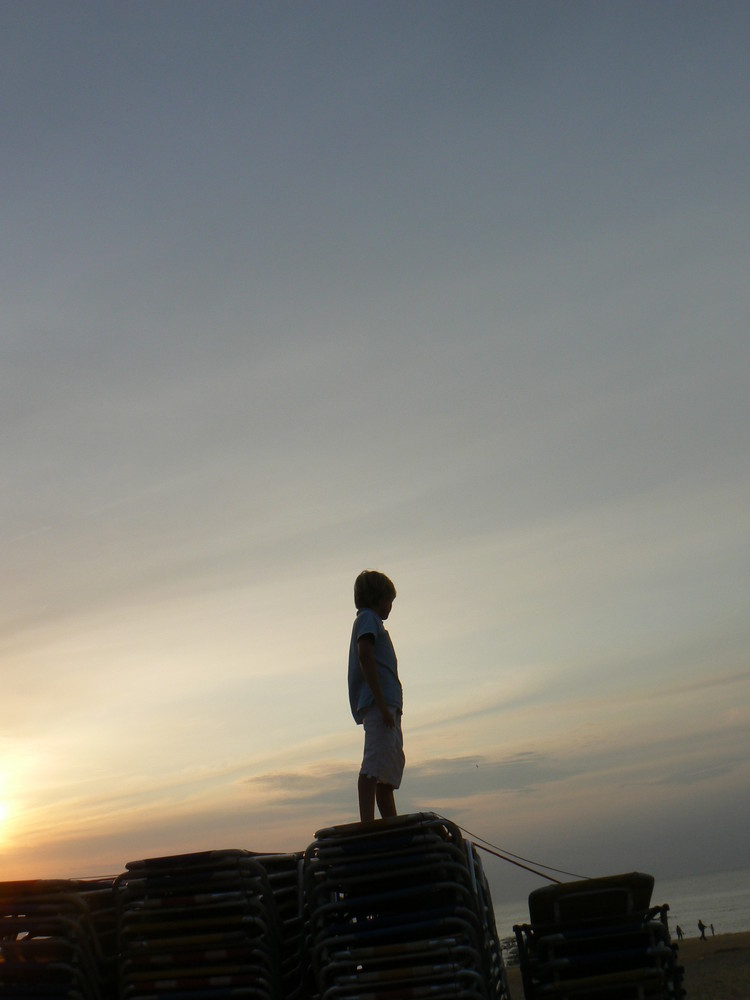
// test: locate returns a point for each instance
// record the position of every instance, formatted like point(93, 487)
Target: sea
point(718, 898)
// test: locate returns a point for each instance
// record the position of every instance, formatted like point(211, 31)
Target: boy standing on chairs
point(375, 695)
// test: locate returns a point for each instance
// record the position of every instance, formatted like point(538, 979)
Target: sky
point(457, 291)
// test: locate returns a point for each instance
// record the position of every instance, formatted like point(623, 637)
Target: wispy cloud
point(392, 310)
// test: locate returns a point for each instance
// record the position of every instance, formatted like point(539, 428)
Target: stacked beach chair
point(396, 909)
point(598, 938)
point(200, 925)
point(400, 909)
point(285, 872)
point(57, 939)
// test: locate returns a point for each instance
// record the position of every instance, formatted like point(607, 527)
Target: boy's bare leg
point(366, 791)
point(386, 802)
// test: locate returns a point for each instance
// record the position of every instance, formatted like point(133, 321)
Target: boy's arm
point(366, 652)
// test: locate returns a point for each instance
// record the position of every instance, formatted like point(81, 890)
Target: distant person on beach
point(680, 934)
point(702, 929)
point(713, 933)
point(375, 695)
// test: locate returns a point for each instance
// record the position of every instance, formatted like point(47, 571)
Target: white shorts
point(383, 758)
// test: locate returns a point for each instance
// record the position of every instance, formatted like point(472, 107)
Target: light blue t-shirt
point(361, 697)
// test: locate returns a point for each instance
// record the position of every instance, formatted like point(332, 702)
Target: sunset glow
point(454, 291)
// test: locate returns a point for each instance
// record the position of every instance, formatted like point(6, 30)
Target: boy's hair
point(370, 587)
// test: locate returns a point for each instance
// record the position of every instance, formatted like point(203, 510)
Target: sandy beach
point(715, 969)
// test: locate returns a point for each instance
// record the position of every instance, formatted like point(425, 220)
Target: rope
point(496, 854)
point(516, 859)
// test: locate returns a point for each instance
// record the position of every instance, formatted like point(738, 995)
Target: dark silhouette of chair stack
point(285, 876)
point(57, 939)
point(598, 938)
point(202, 925)
point(399, 909)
